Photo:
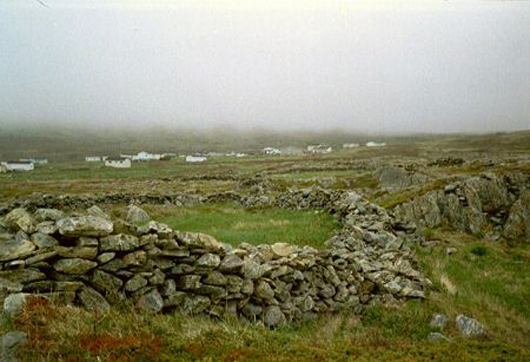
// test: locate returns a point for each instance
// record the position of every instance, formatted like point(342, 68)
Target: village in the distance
point(126, 160)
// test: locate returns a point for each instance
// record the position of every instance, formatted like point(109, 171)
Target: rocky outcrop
point(476, 204)
point(96, 262)
point(517, 226)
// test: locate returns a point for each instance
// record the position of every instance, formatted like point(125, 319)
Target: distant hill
point(59, 143)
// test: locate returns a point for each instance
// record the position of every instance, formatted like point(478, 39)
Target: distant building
point(118, 162)
point(36, 161)
point(126, 156)
point(375, 144)
point(239, 155)
point(321, 148)
point(271, 151)
point(3, 169)
point(350, 145)
point(196, 158)
point(92, 159)
point(19, 165)
point(146, 156)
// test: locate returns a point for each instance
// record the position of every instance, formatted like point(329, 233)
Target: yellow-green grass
point(234, 224)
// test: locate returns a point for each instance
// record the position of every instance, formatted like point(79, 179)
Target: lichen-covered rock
point(14, 303)
point(189, 282)
point(136, 215)
point(92, 300)
point(469, 326)
point(273, 316)
point(209, 260)
point(96, 211)
point(438, 321)
point(74, 266)
point(195, 304)
point(85, 226)
point(264, 291)
point(48, 215)
point(231, 264)
point(517, 226)
point(20, 219)
point(22, 276)
point(135, 283)
point(201, 241)
point(14, 248)
point(251, 310)
point(135, 258)
point(106, 283)
point(43, 241)
point(10, 343)
point(85, 252)
point(151, 302)
point(120, 242)
point(282, 249)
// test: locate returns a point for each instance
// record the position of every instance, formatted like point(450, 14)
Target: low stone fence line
point(94, 261)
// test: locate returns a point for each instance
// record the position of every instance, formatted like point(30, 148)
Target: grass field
point(233, 224)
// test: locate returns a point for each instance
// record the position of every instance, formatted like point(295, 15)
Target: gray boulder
point(438, 321)
point(136, 215)
point(97, 212)
point(518, 224)
point(20, 219)
point(231, 264)
point(273, 316)
point(14, 248)
point(74, 266)
point(43, 241)
point(85, 226)
point(120, 242)
point(209, 260)
point(10, 343)
point(14, 303)
point(469, 326)
point(135, 283)
point(92, 300)
point(437, 337)
point(151, 302)
point(48, 215)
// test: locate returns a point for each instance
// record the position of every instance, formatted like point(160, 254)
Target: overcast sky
point(378, 66)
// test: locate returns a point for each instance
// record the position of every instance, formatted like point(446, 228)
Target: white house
point(92, 159)
point(146, 156)
point(195, 158)
point(239, 155)
point(118, 162)
point(350, 145)
point(271, 151)
point(36, 161)
point(375, 144)
point(322, 148)
point(3, 169)
point(19, 165)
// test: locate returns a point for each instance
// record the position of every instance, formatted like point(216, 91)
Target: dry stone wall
point(94, 262)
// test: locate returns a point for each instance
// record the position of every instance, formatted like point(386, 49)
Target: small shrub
point(428, 233)
point(479, 234)
point(479, 250)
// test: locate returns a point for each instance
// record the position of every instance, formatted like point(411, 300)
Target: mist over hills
point(60, 143)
